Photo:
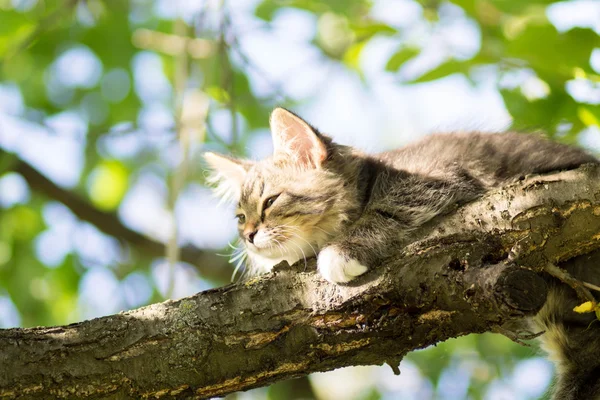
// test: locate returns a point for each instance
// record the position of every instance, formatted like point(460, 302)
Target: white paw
point(337, 268)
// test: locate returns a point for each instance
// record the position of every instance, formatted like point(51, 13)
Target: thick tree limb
point(211, 266)
point(459, 278)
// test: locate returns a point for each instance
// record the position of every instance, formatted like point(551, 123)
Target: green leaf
point(552, 54)
point(443, 70)
point(520, 7)
point(400, 57)
point(14, 27)
point(470, 6)
point(546, 113)
point(588, 116)
point(218, 93)
point(108, 184)
point(352, 56)
point(13, 22)
point(367, 31)
point(266, 9)
point(23, 223)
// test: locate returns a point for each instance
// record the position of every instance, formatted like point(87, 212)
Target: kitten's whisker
point(323, 230)
point(296, 235)
point(303, 255)
point(235, 257)
point(271, 240)
point(295, 252)
point(280, 246)
point(238, 265)
point(298, 246)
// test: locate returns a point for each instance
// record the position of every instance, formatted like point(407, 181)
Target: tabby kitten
point(314, 196)
point(317, 197)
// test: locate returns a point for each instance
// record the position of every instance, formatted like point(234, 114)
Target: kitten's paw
point(337, 267)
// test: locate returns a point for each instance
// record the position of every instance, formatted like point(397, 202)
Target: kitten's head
point(291, 204)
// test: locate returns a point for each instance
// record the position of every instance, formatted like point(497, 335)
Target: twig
point(517, 337)
point(591, 286)
point(178, 180)
point(579, 286)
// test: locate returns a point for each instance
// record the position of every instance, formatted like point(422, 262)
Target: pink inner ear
point(293, 138)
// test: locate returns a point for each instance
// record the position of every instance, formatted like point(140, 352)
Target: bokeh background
point(106, 106)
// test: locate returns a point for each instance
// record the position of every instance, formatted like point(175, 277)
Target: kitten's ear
point(294, 138)
point(228, 175)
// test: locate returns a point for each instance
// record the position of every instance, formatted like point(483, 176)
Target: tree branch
point(210, 265)
point(458, 278)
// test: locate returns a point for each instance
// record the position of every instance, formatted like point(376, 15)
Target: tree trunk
point(460, 277)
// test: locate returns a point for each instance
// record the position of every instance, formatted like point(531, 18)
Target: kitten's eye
point(241, 218)
point(269, 202)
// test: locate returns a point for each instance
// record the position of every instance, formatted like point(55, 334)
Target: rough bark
point(458, 278)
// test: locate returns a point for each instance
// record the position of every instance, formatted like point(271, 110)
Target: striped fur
point(314, 196)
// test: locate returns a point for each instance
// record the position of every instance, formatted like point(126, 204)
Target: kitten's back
point(492, 158)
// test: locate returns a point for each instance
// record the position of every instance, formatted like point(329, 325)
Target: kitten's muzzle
point(250, 235)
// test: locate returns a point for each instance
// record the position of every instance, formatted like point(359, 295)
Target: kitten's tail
point(572, 340)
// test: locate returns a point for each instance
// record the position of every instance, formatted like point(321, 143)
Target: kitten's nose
point(250, 236)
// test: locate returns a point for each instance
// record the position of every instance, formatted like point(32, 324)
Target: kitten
point(317, 197)
point(314, 196)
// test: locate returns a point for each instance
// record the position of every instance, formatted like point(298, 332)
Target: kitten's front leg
point(395, 209)
point(337, 266)
point(366, 244)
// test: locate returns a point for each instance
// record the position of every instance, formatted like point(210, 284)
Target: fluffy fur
point(359, 207)
point(572, 340)
point(317, 197)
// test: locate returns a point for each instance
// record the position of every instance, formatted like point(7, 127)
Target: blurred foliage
point(83, 60)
